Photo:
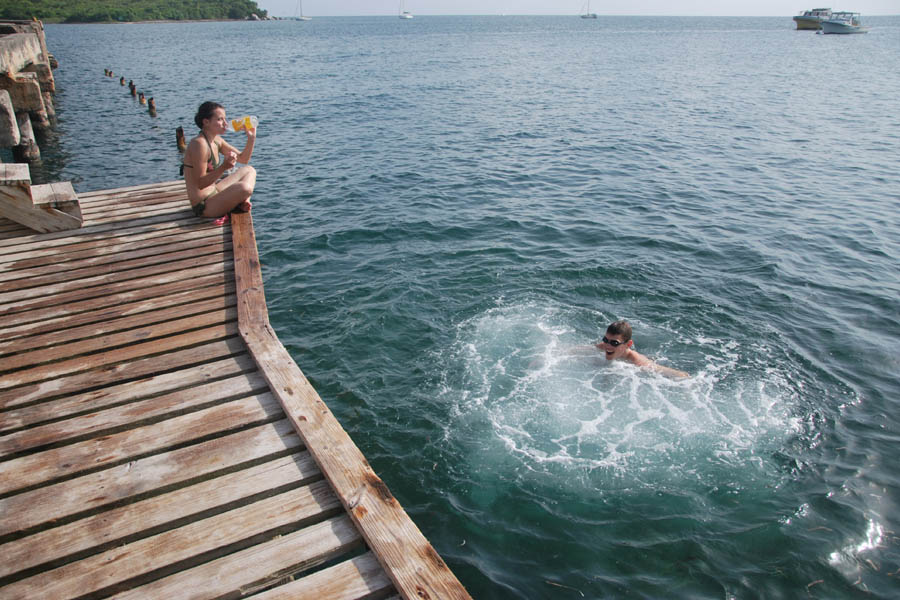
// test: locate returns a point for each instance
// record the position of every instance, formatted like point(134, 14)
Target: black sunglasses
point(613, 343)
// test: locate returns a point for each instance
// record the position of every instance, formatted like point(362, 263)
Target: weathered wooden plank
point(35, 253)
point(7, 226)
point(252, 309)
point(177, 210)
point(132, 414)
point(50, 504)
point(129, 202)
point(124, 202)
point(87, 276)
point(93, 286)
point(191, 544)
point(156, 514)
point(109, 197)
point(60, 350)
point(108, 320)
point(256, 567)
point(64, 237)
point(135, 207)
point(14, 234)
point(114, 254)
point(68, 305)
point(413, 565)
point(97, 236)
point(102, 361)
point(90, 455)
point(171, 218)
point(361, 577)
point(120, 373)
point(179, 382)
point(97, 195)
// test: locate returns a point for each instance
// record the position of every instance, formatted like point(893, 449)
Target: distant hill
point(102, 11)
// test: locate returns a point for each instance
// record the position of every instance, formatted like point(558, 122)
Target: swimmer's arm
point(582, 350)
point(571, 351)
point(667, 371)
point(638, 359)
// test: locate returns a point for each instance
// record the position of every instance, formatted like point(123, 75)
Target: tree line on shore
point(106, 11)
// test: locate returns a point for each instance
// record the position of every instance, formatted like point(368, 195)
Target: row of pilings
point(148, 102)
point(26, 87)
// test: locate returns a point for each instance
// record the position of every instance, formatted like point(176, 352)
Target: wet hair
point(206, 111)
point(622, 328)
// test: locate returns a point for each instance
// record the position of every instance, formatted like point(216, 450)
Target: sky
point(313, 8)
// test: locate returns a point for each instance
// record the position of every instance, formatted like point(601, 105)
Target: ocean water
point(447, 206)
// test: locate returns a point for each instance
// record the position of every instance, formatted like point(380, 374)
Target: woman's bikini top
point(209, 165)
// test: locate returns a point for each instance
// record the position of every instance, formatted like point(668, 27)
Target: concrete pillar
point(9, 128)
point(48, 105)
point(27, 149)
point(44, 76)
point(24, 91)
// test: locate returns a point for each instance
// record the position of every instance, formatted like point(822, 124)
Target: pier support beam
point(24, 91)
point(9, 127)
point(27, 149)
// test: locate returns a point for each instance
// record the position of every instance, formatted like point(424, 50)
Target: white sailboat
point(300, 16)
point(403, 13)
point(587, 14)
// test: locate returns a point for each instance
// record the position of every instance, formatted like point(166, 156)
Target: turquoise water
point(446, 205)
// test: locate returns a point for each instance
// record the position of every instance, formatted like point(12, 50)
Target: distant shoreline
point(163, 21)
point(159, 21)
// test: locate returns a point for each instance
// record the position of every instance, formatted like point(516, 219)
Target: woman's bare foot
point(243, 207)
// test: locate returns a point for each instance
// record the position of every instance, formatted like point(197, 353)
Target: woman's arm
point(247, 152)
point(197, 155)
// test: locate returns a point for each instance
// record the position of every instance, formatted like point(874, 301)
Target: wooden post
point(179, 139)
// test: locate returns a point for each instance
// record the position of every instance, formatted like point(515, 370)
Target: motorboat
point(812, 19)
point(404, 14)
point(844, 22)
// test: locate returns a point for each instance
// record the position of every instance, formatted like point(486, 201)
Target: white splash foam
point(548, 411)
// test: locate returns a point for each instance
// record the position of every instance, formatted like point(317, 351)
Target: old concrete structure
point(26, 86)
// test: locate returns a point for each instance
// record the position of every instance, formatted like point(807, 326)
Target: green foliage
point(102, 11)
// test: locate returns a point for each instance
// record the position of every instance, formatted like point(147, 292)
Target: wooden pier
point(158, 441)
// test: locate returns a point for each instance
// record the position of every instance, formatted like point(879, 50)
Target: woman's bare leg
point(236, 190)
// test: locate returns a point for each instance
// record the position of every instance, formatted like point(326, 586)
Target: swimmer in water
point(618, 345)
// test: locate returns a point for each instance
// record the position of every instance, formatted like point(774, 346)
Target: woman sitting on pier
point(207, 158)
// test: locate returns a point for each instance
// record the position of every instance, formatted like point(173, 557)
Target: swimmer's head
point(620, 328)
point(617, 341)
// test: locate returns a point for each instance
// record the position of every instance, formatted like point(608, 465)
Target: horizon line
point(599, 15)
